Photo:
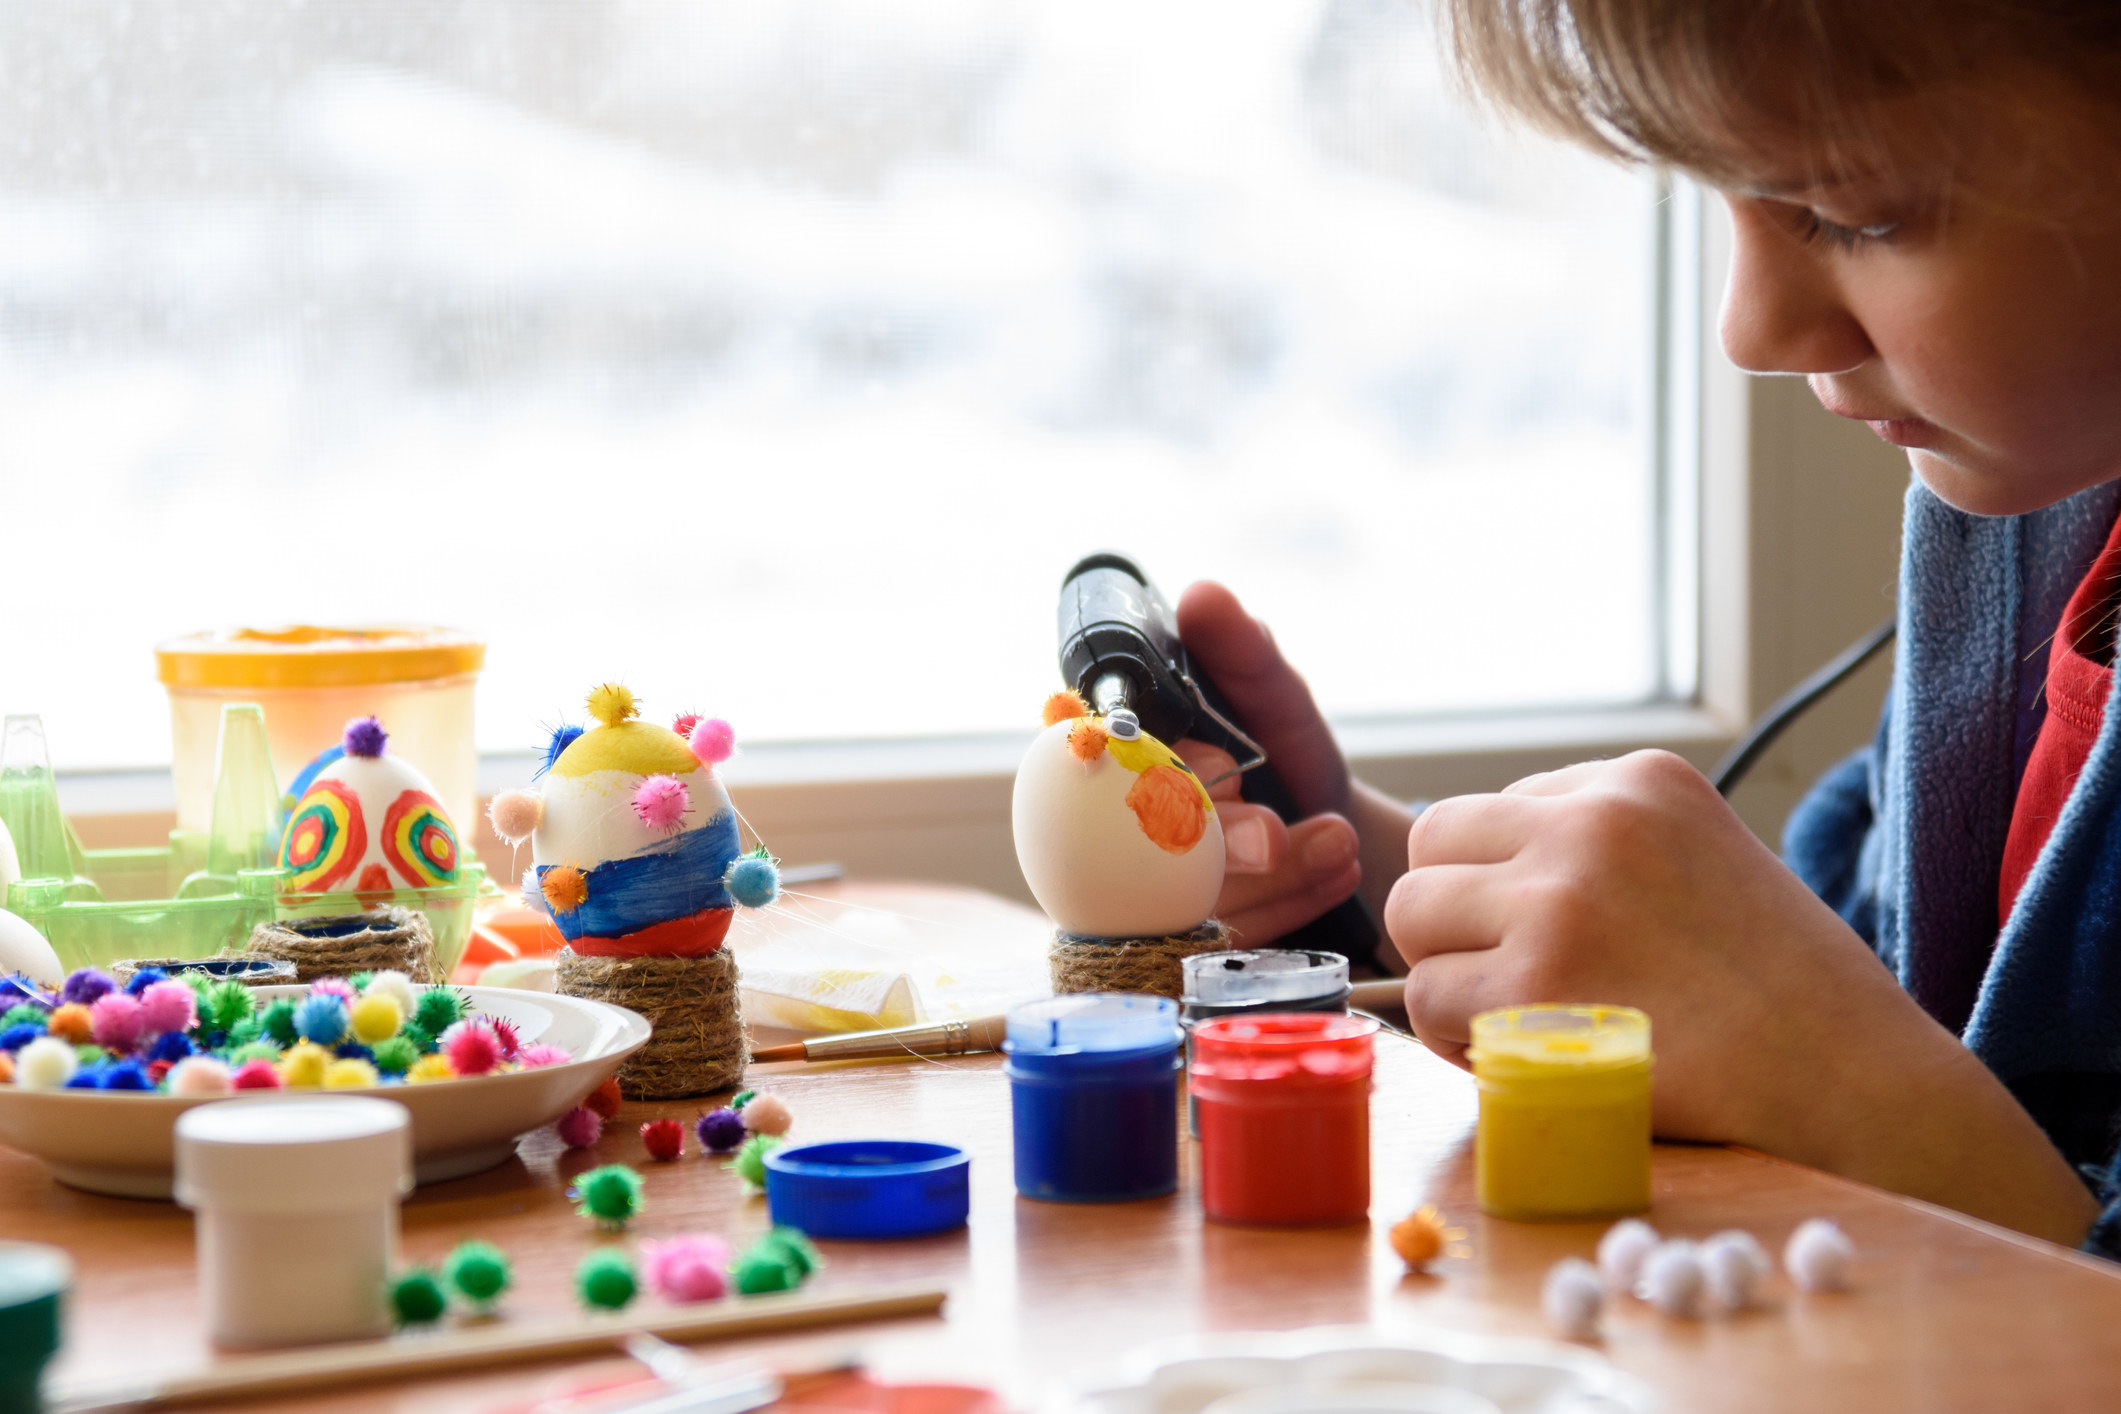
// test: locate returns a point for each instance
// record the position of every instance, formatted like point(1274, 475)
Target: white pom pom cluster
point(1723, 1273)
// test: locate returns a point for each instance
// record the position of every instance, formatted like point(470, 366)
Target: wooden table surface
point(1946, 1313)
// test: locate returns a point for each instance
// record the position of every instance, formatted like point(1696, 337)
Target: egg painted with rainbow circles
point(1116, 836)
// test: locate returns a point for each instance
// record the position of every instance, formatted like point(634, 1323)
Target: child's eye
point(1817, 230)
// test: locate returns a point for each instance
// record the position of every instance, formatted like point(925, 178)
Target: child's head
point(1925, 196)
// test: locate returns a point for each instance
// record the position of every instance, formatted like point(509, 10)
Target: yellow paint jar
point(1564, 1111)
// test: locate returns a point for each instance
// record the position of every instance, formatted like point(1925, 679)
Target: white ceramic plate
point(1350, 1368)
point(125, 1145)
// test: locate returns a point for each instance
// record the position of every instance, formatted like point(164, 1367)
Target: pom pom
point(565, 888)
point(7, 1068)
point(168, 1006)
point(605, 1279)
point(87, 986)
point(303, 1067)
point(720, 1130)
point(1817, 1255)
point(1672, 1279)
point(351, 1075)
point(713, 741)
point(416, 1298)
point(1418, 1238)
point(71, 1023)
point(779, 1261)
point(664, 1139)
point(538, 1057)
point(516, 815)
point(279, 1021)
point(505, 1032)
point(24, 1014)
point(472, 1048)
point(610, 1195)
point(605, 1098)
point(256, 1050)
point(116, 1021)
point(1063, 706)
point(18, 1036)
point(46, 1063)
point(199, 1075)
point(563, 736)
point(1571, 1297)
point(478, 1271)
point(334, 987)
point(321, 1017)
point(157, 1071)
point(143, 979)
point(438, 1009)
point(396, 1055)
point(611, 704)
point(580, 1127)
point(683, 724)
point(224, 1004)
point(88, 1077)
point(687, 1268)
point(171, 1046)
point(395, 985)
point(376, 1018)
point(364, 737)
point(1734, 1265)
point(1086, 741)
point(750, 1161)
point(127, 1075)
point(742, 1098)
point(429, 1069)
point(1622, 1251)
point(256, 1074)
point(766, 1114)
point(660, 802)
point(753, 881)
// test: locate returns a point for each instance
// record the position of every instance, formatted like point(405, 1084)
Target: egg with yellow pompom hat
point(634, 844)
point(1115, 834)
point(367, 821)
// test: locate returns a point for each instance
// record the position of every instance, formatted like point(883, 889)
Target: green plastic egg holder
point(201, 894)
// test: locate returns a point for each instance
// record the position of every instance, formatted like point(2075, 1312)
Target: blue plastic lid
point(1093, 1022)
point(869, 1188)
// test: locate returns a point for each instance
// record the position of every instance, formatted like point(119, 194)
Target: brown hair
point(1710, 85)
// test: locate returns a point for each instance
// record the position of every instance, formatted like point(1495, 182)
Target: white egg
point(1090, 862)
point(10, 863)
point(23, 949)
point(404, 838)
point(590, 818)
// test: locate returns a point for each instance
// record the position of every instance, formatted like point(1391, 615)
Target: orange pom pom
point(1087, 741)
point(1063, 705)
point(7, 1068)
point(565, 887)
point(604, 1099)
point(1418, 1238)
point(70, 1023)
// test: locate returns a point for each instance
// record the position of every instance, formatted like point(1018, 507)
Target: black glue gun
point(1119, 648)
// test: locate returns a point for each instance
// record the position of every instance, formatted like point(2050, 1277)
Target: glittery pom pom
point(537, 1057)
point(610, 1195)
point(472, 1048)
point(321, 1017)
point(256, 1074)
point(1063, 706)
point(565, 888)
point(611, 703)
point(660, 803)
point(333, 987)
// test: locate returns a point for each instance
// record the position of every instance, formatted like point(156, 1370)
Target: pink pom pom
point(661, 802)
point(687, 1268)
point(195, 1076)
point(505, 1033)
point(168, 1006)
point(471, 1047)
point(333, 987)
point(255, 1074)
point(713, 741)
point(684, 724)
point(534, 1057)
point(516, 815)
point(580, 1127)
point(115, 1021)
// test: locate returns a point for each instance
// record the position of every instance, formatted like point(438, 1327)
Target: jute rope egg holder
point(1152, 965)
point(696, 1044)
point(399, 939)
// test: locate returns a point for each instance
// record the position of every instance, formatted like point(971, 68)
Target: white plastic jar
point(297, 1204)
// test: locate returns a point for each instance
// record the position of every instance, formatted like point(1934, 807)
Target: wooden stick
point(924, 1038)
point(1384, 994)
point(403, 1357)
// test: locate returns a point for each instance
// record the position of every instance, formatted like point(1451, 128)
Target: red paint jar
point(1284, 1117)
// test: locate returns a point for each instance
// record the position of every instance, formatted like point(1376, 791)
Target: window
point(777, 358)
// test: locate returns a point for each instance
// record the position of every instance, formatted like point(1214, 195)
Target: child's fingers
point(1255, 841)
point(1445, 908)
point(1560, 781)
point(1259, 925)
point(1446, 991)
point(1208, 762)
point(1272, 699)
point(1473, 829)
point(1320, 866)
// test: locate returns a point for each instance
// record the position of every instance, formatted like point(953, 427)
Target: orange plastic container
point(1284, 1117)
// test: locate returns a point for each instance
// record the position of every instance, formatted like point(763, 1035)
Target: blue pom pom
point(753, 881)
point(88, 1077)
point(321, 1017)
point(127, 1075)
point(16, 1037)
point(170, 1046)
point(353, 1050)
point(143, 979)
point(562, 737)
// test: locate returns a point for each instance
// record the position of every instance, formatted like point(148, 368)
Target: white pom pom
point(1735, 1264)
point(1817, 1256)
point(1672, 1279)
point(46, 1063)
point(1572, 1297)
point(1621, 1251)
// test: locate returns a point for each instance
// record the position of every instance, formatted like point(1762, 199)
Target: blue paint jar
point(1093, 1097)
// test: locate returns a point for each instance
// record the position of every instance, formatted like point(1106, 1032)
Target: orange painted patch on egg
point(1168, 805)
point(1063, 705)
point(564, 888)
point(1087, 741)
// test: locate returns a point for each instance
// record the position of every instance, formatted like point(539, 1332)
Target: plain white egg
point(23, 949)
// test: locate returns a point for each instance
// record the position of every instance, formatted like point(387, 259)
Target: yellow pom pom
point(353, 1073)
point(376, 1018)
point(430, 1068)
point(612, 704)
point(303, 1064)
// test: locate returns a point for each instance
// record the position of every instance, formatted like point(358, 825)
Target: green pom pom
point(226, 1003)
point(396, 1055)
point(792, 1247)
point(779, 1261)
point(199, 983)
point(422, 1039)
point(753, 1275)
point(279, 1022)
point(360, 980)
point(743, 1098)
point(23, 1014)
point(88, 1053)
point(611, 1195)
point(750, 1161)
point(255, 1050)
point(605, 1279)
point(437, 1010)
point(416, 1298)
point(479, 1272)
point(246, 1031)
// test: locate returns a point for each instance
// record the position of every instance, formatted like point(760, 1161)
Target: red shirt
point(2079, 675)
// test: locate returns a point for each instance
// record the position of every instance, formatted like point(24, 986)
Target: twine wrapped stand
point(697, 1045)
point(1130, 964)
point(370, 941)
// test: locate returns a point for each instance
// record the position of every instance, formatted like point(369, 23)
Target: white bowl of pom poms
point(122, 1141)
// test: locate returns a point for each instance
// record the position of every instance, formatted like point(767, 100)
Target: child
point(1923, 195)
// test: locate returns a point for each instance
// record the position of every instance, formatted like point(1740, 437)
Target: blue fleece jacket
point(1905, 838)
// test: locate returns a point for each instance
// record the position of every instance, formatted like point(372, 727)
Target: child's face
point(1987, 342)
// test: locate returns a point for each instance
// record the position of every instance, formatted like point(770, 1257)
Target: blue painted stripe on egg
point(673, 879)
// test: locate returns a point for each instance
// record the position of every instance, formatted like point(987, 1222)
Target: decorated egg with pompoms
point(634, 845)
point(1116, 835)
point(365, 821)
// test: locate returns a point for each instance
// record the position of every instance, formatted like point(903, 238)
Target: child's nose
point(1783, 311)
